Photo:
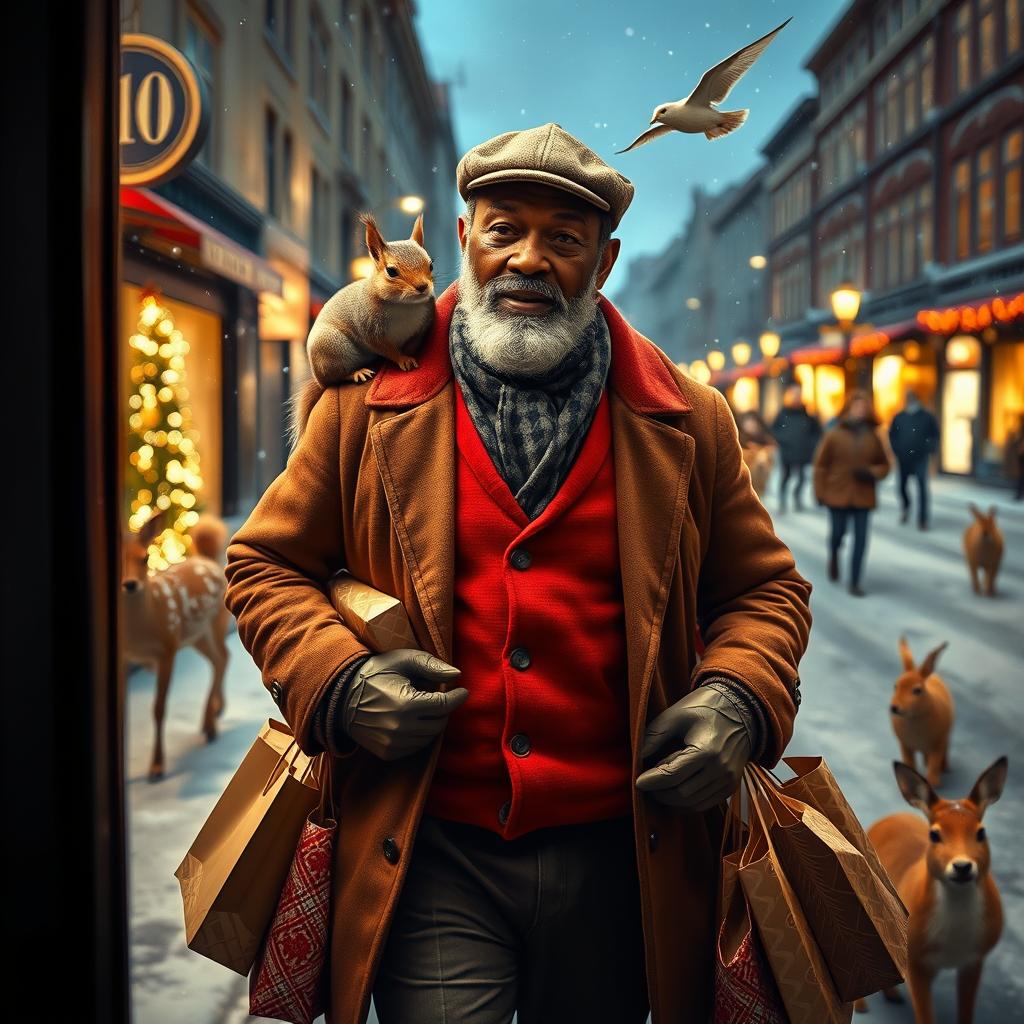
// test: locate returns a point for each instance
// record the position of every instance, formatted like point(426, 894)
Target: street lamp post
point(845, 307)
point(845, 301)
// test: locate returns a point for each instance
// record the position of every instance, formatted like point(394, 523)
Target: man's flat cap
point(548, 155)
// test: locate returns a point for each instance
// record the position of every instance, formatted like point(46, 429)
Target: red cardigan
point(539, 635)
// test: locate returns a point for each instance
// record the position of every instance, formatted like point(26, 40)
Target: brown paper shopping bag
point(801, 974)
point(860, 926)
point(232, 876)
point(815, 784)
point(379, 621)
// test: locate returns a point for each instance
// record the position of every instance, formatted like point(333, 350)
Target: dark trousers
point(840, 518)
point(548, 924)
point(788, 470)
point(915, 469)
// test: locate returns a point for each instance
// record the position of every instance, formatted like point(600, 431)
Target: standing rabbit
point(983, 548)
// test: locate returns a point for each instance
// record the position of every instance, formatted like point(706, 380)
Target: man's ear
point(463, 229)
point(608, 258)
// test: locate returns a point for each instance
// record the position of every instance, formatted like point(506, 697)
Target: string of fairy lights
point(163, 446)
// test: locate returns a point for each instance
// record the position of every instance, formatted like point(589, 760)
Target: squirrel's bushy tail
point(300, 405)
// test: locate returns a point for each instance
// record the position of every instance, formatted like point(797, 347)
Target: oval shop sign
point(164, 112)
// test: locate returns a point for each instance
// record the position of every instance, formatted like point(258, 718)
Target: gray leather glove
point(385, 711)
point(712, 747)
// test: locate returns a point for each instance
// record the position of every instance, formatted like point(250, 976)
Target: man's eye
point(392, 271)
point(572, 239)
point(498, 228)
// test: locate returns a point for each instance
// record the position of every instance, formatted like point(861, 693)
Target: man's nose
point(528, 258)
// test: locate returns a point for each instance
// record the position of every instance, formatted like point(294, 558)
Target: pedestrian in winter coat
point(913, 436)
point(797, 433)
point(847, 467)
point(531, 801)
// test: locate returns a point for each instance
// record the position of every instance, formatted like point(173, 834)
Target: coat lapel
point(415, 450)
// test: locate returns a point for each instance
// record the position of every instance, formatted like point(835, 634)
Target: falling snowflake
point(629, 31)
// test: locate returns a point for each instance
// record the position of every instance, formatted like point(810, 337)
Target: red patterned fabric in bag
point(288, 980)
point(745, 990)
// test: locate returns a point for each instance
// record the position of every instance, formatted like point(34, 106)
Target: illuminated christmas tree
point(163, 454)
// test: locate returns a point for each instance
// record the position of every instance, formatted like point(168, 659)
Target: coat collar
point(638, 373)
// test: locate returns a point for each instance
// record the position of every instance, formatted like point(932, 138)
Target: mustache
point(519, 282)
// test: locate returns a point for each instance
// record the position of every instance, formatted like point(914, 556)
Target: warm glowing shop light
point(716, 359)
point(362, 266)
point(411, 204)
point(758, 262)
point(699, 371)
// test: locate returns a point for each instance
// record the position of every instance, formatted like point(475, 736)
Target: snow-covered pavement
point(916, 582)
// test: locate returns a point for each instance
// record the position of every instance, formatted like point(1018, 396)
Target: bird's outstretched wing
point(651, 133)
point(717, 83)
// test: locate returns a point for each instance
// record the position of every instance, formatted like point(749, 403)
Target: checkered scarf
point(533, 427)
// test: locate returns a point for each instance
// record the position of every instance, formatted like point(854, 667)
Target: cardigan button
point(520, 558)
point(391, 850)
point(503, 812)
point(520, 658)
point(520, 744)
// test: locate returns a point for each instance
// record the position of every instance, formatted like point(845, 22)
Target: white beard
point(519, 345)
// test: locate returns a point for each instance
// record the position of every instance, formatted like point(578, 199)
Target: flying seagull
point(698, 113)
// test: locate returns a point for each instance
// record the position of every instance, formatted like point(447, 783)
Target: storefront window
point(171, 402)
point(960, 393)
point(746, 394)
point(1006, 405)
point(897, 371)
point(822, 389)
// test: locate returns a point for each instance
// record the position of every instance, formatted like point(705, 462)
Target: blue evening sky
point(599, 68)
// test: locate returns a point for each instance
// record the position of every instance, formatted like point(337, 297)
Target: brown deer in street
point(983, 548)
point(941, 870)
point(921, 711)
point(179, 607)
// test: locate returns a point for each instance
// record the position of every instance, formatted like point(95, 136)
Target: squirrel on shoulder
point(381, 315)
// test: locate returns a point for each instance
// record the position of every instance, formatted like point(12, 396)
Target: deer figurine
point(921, 711)
point(983, 548)
point(941, 870)
point(179, 607)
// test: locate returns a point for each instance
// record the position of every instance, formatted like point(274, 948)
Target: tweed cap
point(548, 155)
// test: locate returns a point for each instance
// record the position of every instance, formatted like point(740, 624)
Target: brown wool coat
point(371, 487)
point(841, 451)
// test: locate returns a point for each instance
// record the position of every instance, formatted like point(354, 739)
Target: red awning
point(153, 213)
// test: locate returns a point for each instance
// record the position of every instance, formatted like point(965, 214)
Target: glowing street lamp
point(846, 304)
point(411, 204)
point(741, 353)
point(716, 359)
point(769, 342)
point(700, 372)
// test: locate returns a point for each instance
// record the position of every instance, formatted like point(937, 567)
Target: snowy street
point(916, 584)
